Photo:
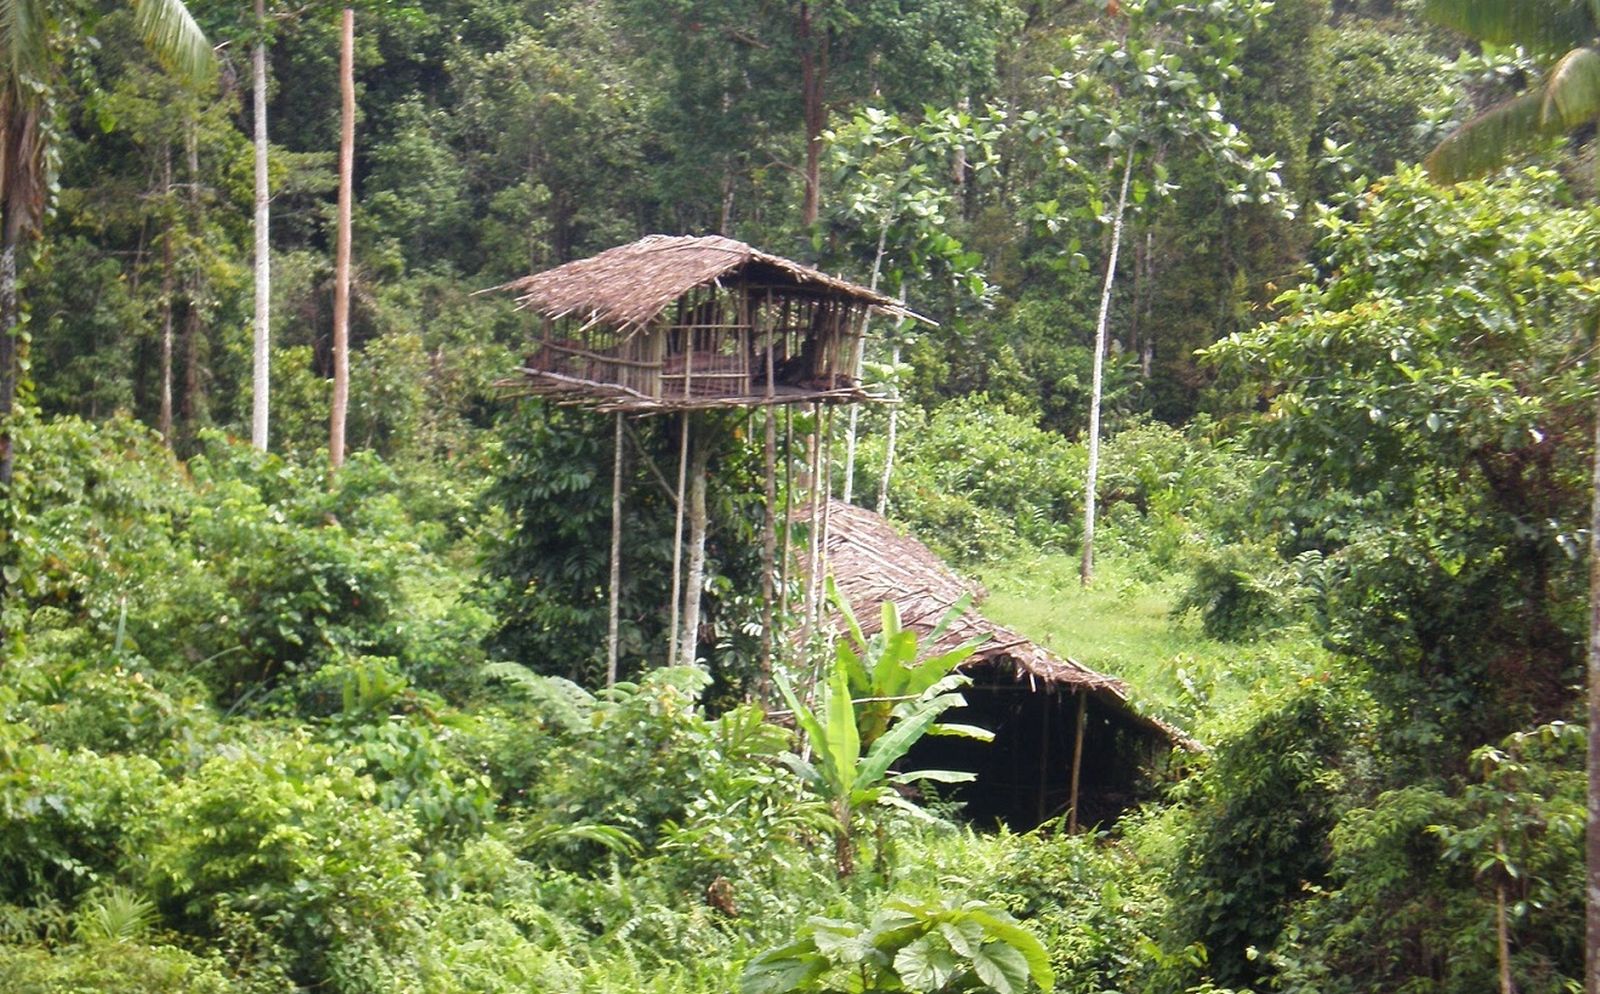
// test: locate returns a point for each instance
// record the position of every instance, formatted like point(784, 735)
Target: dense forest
point(273, 723)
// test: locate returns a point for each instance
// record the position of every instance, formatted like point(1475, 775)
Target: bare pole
point(260, 379)
point(788, 515)
point(341, 264)
point(677, 530)
point(769, 530)
point(827, 506)
point(615, 608)
point(814, 461)
point(860, 353)
point(677, 543)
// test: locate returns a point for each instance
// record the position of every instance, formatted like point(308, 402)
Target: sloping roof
point(873, 563)
point(629, 285)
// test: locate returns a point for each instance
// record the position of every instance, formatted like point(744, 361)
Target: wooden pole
point(827, 506)
point(769, 533)
point(677, 543)
point(694, 581)
point(814, 470)
point(614, 616)
point(787, 548)
point(1077, 761)
point(341, 264)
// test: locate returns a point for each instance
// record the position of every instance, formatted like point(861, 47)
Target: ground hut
point(1067, 739)
point(683, 323)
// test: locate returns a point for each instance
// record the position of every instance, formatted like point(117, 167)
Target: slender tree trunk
point(164, 419)
point(260, 380)
point(193, 326)
point(341, 264)
point(1592, 886)
point(1086, 568)
point(9, 350)
point(889, 442)
point(695, 575)
point(1502, 930)
point(861, 348)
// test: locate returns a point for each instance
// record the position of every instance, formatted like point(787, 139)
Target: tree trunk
point(164, 420)
point(695, 580)
point(1592, 878)
point(341, 263)
point(260, 382)
point(8, 351)
point(193, 325)
point(861, 348)
point(814, 108)
point(1086, 568)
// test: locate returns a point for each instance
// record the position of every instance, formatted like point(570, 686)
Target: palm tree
point(32, 55)
point(1565, 33)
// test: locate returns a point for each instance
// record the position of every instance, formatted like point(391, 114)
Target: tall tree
point(261, 347)
point(759, 69)
point(341, 265)
point(35, 44)
point(1563, 31)
point(1134, 99)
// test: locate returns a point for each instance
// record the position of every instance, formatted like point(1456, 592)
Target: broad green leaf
point(926, 964)
point(779, 971)
point(842, 740)
point(1001, 967)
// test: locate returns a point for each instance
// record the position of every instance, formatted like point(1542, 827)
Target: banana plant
point(884, 670)
point(854, 743)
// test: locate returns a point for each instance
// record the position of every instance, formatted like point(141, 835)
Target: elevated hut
point(684, 323)
point(1067, 739)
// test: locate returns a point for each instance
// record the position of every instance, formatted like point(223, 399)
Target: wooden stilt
point(769, 535)
point(677, 544)
point(614, 617)
point(786, 550)
point(827, 504)
point(814, 471)
point(1077, 761)
point(694, 581)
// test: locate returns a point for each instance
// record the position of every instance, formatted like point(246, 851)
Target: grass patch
point(1123, 625)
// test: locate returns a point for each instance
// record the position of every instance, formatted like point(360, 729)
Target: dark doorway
point(1024, 777)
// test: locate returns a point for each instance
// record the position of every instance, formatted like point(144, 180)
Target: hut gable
point(674, 323)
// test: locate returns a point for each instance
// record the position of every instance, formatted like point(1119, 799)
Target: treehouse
point(688, 323)
point(1067, 740)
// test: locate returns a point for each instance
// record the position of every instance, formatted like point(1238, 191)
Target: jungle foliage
point(264, 728)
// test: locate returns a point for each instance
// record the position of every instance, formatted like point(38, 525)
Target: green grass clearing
point(1123, 626)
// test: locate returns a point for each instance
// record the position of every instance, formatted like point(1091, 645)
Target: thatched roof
point(873, 563)
point(628, 286)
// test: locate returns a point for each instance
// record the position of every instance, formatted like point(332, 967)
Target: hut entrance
point(1024, 777)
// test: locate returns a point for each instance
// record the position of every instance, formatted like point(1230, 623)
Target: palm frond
point(24, 41)
point(175, 39)
point(1488, 140)
point(1572, 90)
point(1541, 26)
